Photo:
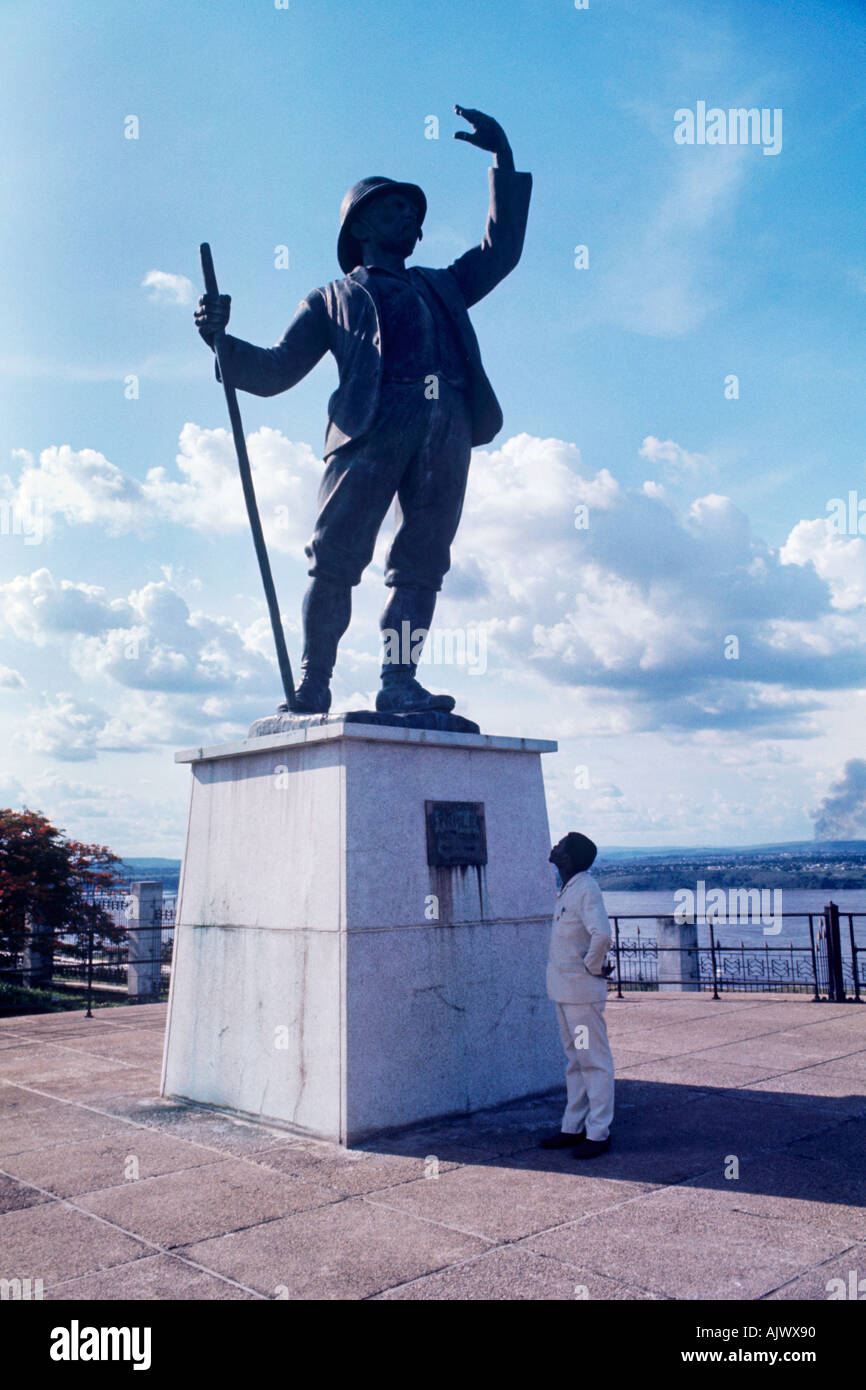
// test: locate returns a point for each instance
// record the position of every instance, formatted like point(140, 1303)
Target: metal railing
point(127, 958)
point(823, 968)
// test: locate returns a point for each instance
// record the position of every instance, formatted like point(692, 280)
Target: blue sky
point(133, 624)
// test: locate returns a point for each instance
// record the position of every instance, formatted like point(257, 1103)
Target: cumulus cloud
point(123, 816)
point(9, 679)
point(64, 728)
point(642, 599)
point(205, 491)
point(842, 813)
point(73, 729)
point(167, 288)
point(79, 485)
point(840, 560)
point(578, 583)
point(35, 607)
point(672, 456)
point(165, 672)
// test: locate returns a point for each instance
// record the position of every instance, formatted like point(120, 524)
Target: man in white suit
point(577, 983)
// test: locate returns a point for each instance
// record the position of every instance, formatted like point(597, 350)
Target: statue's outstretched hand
point(487, 134)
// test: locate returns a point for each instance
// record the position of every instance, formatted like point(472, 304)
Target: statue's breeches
point(418, 449)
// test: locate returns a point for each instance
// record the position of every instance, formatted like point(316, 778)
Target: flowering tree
point(49, 880)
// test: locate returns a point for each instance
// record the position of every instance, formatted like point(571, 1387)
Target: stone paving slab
point(194, 1125)
point(350, 1249)
point(50, 1065)
point(113, 1160)
point(789, 1187)
point(153, 1277)
point(814, 1283)
point(54, 1241)
point(677, 1245)
point(49, 1125)
point(844, 1143)
point(134, 1045)
point(14, 1196)
point(468, 1208)
point(181, 1207)
point(533, 1197)
point(691, 1070)
point(350, 1173)
point(516, 1274)
point(844, 1096)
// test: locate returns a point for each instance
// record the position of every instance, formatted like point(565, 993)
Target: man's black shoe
point(591, 1148)
point(562, 1140)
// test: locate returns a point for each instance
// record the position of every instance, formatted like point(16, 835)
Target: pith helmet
point(348, 249)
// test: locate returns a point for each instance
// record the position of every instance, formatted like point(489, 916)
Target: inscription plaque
point(456, 833)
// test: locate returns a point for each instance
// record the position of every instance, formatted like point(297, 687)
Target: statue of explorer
point(412, 402)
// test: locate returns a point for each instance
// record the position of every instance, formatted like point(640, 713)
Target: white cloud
point(9, 679)
point(840, 560)
point(84, 488)
point(641, 603)
point(674, 458)
point(166, 659)
point(168, 288)
point(206, 495)
point(636, 606)
point(36, 608)
point(81, 486)
point(63, 728)
point(841, 814)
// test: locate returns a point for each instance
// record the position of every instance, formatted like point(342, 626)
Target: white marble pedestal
point(313, 985)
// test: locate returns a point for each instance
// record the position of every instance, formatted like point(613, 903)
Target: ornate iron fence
point(828, 967)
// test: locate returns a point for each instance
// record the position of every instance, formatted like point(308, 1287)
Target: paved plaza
point(109, 1192)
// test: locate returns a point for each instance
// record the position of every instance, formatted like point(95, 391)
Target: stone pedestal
point(678, 961)
point(144, 969)
point(38, 959)
point(329, 979)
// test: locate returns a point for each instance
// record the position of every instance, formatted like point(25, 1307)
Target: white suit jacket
point(580, 940)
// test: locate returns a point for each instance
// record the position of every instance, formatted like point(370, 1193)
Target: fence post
point(836, 981)
point(619, 994)
point(678, 967)
point(854, 967)
point(145, 941)
point(38, 953)
point(816, 997)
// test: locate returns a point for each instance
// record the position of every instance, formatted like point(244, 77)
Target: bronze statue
point(412, 402)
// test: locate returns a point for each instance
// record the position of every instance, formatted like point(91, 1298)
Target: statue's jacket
point(343, 316)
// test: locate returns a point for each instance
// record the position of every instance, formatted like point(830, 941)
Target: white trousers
point(589, 1074)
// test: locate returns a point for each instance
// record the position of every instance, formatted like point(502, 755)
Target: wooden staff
point(210, 285)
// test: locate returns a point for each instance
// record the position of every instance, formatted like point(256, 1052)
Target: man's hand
point(212, 315)
point(487, 134)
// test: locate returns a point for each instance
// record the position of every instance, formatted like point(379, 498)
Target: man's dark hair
point(581, 850)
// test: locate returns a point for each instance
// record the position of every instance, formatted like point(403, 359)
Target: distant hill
point(808, 847)
point(826, 864)
point(166, 869)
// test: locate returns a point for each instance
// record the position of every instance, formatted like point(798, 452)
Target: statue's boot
point(402, 694)
point(326, 613)
point(313, 695)
point(409, 610)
